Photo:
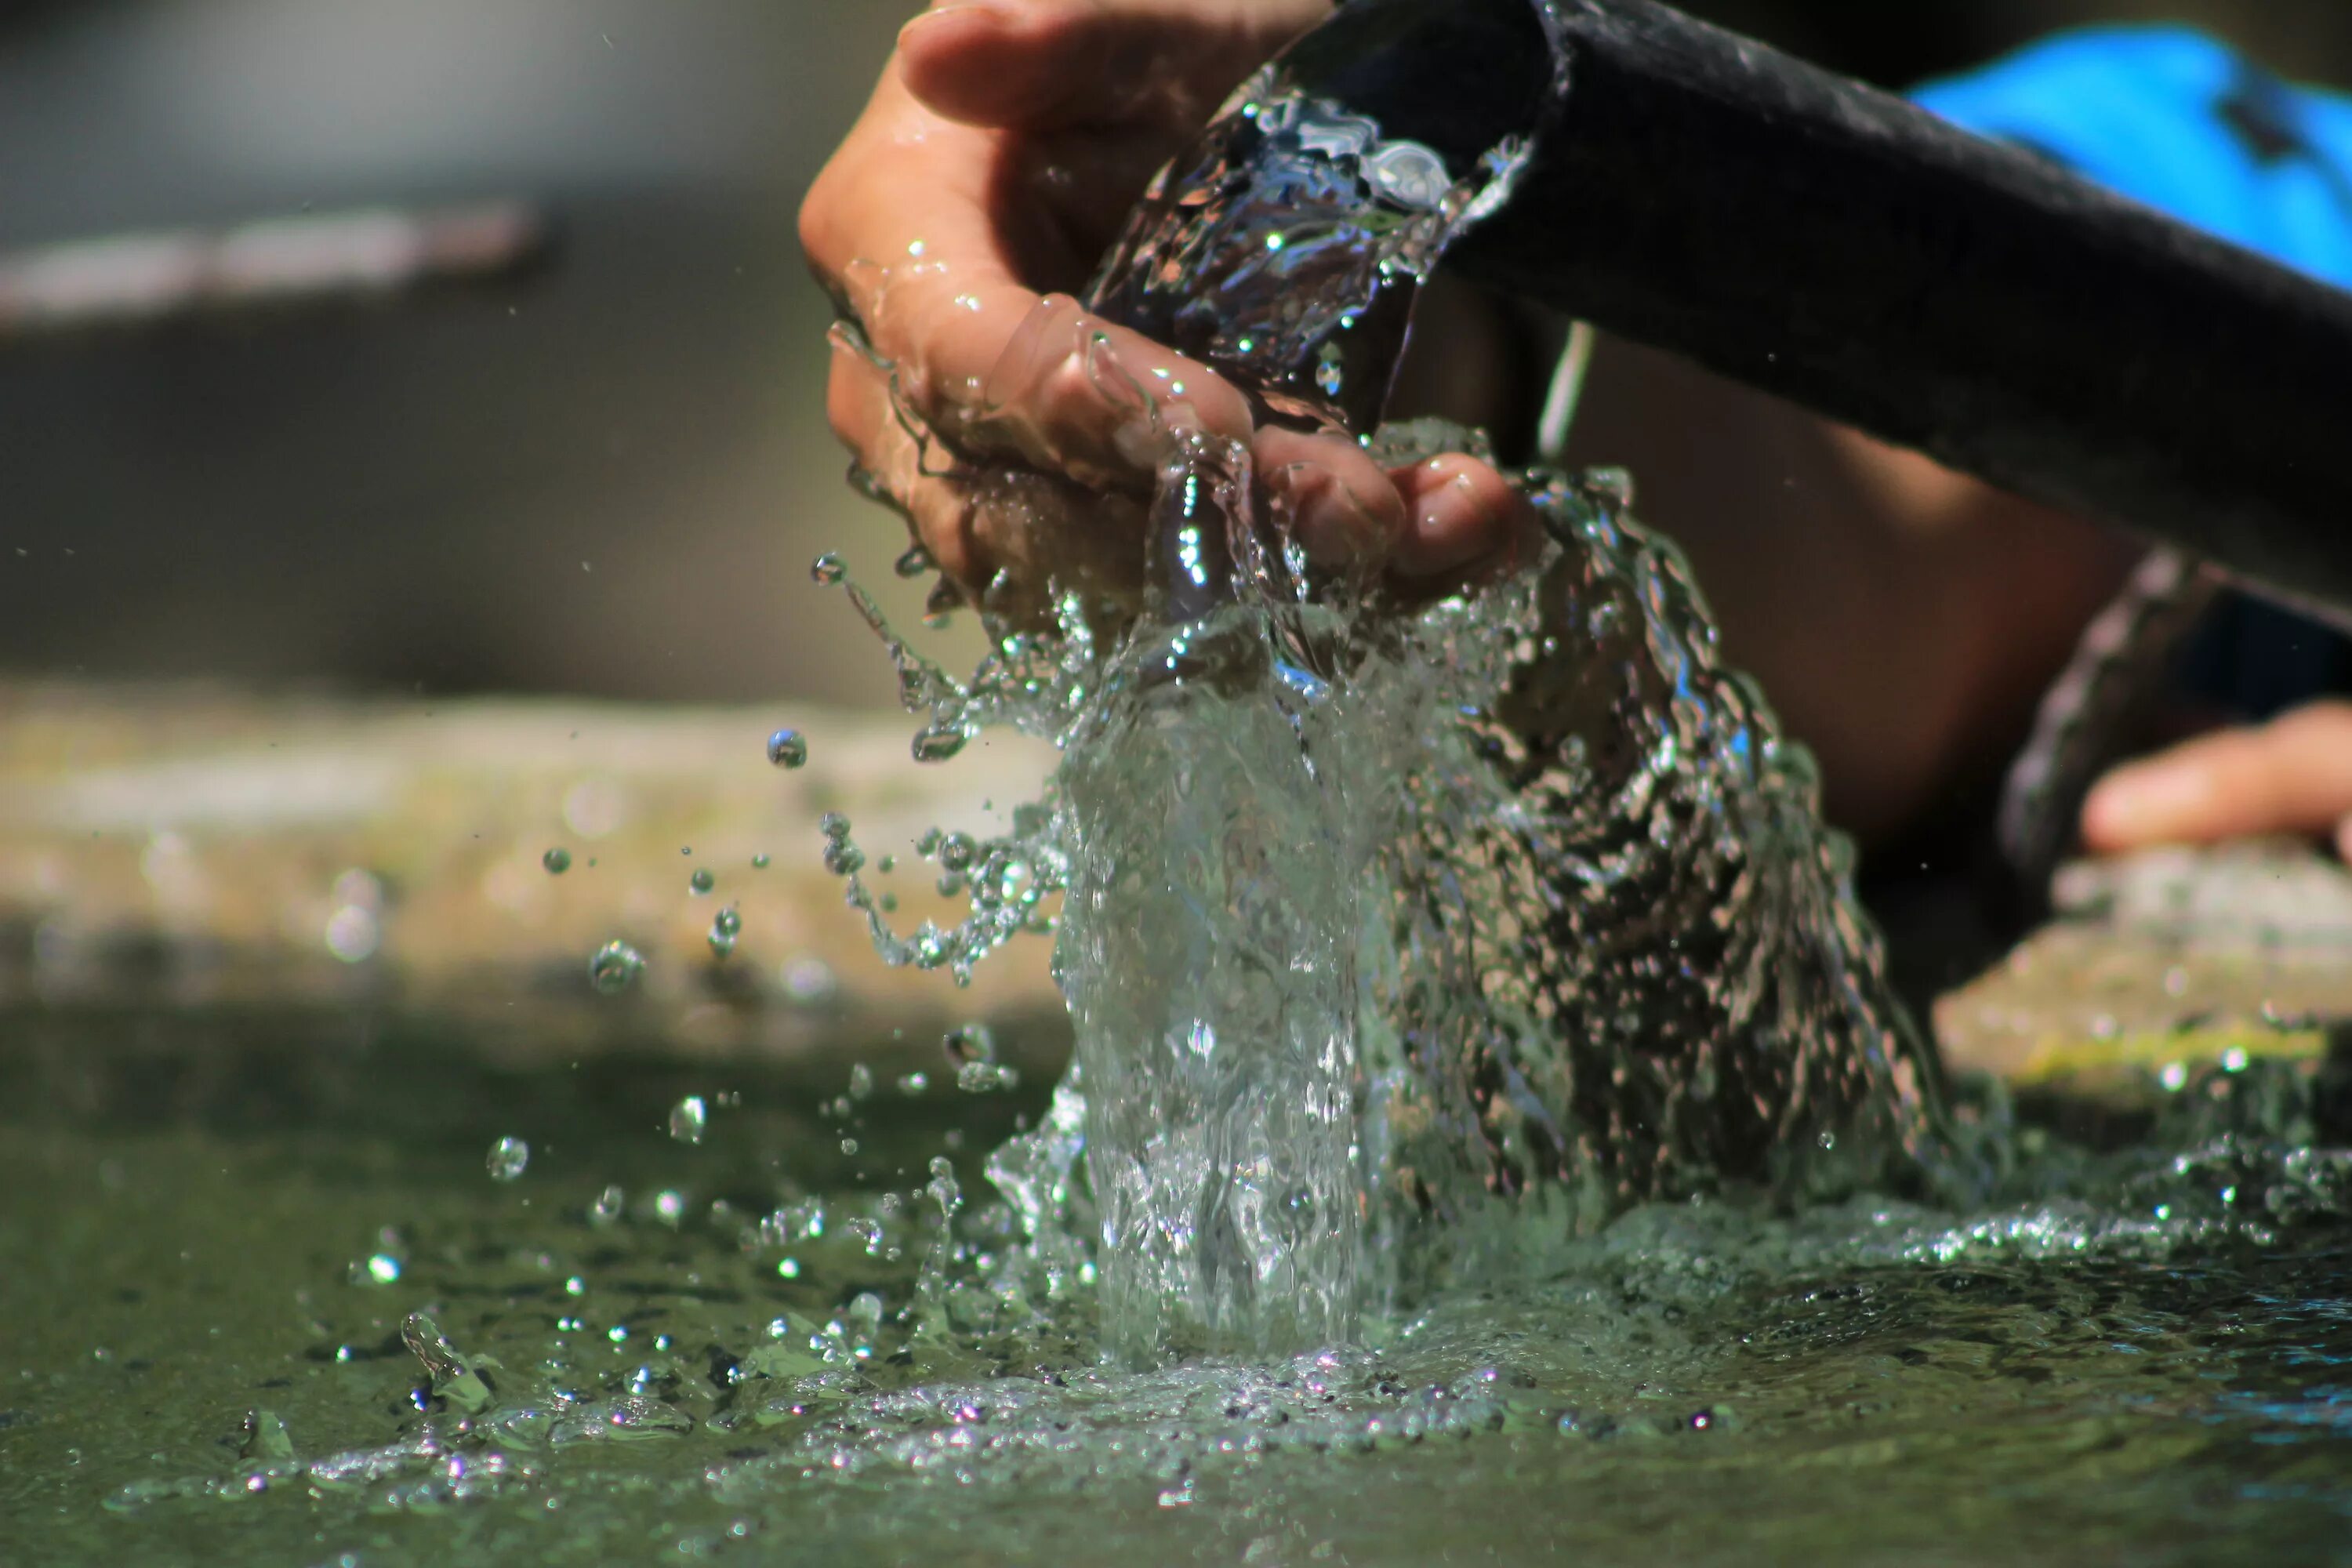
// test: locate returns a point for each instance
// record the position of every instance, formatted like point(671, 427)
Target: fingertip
point(2143, 804)
point(1460, 513)
point(1338, 504)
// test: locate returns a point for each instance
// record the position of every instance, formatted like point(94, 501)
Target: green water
point(188, 1206)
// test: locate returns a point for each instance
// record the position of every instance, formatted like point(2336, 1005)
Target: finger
point(1005, 535)
point(2293, 776)
point(1040, 64)
point(1465, 523)
point(908, 239)
point(919, 478)
point(1334, 499)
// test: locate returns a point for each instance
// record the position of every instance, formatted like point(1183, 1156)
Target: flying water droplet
point(787, 748)
point(914, 563)
point(608, 1206)
point(861, 1081)
point(557, 860)
point(827, 569)
point(702, 881)
point(937, 743)
point(509, 1156)
point(972, 1043)
point(760, 862)
point(725, 926)
point(688, 1118)
point(615, 968)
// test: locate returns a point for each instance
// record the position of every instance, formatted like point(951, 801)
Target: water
point(2057, 1379)
point(1460, 1002)
point(1398, 945)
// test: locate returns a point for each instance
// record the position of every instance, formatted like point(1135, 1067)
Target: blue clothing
point(2178, 121)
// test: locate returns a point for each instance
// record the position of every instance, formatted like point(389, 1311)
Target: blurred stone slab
point(193, 846)
point(2159, 964)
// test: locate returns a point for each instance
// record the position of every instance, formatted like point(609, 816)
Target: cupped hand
point(2293, 776)
point(999, 155)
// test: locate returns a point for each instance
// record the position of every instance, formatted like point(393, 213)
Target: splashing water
point(1395, 942)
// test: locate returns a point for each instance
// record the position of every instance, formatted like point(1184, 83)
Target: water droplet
point(861, 1081)
point(913, 1084)
point(1327, 373)
point(702, 881)
point(827, 569)
point(807, 980)
point(507, 1158)
point(914, 563)
point(615, 968)
point(382, 1268)
point(938, 744)
point(759, 862)
point(787, 748)
point(843, 857)
point(688, 1118)
point(972, 1043)
point(956, 850)
point(608, 1206)
point(725, 926)
point(833, 825)
point(557, 860)
point(668, 1205)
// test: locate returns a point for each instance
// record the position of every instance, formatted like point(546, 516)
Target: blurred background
point(602, 472)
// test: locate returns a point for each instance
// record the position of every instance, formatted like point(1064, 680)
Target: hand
point(2291, 775)
point(998, 157)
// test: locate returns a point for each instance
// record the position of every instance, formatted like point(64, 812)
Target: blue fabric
point(2172, 119)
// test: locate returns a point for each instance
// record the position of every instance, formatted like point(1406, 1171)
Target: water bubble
point(702, 881)
point(938, 742)
point(725, 926)
point(827, 569)
point(787, 748)
point(557, 860)
point(608, 1206)
point(688, 1118)
point(507, 1158)
point(972, 1043)
point(615, 968)
point(807, 980)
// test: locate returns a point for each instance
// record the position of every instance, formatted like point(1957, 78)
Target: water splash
point(1398, 944)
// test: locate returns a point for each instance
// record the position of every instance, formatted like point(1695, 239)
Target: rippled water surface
point(201, 1219)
